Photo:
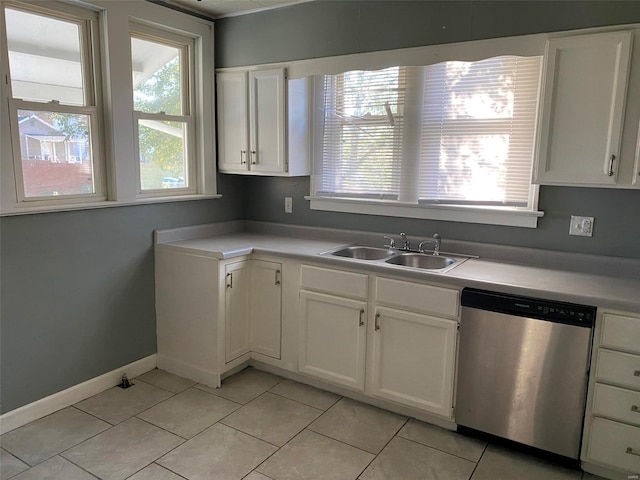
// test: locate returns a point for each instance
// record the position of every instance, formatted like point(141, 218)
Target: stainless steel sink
point(363, 253)
point(420, 260)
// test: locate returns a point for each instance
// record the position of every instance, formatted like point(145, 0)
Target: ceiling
point(226, 8)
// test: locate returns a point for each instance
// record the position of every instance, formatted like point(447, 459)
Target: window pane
point(44, 58)
point(162, 154)
point(56, 155)
point(367, 93)
point(156, 77)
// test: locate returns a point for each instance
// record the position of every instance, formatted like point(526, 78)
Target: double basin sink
point(424, 261)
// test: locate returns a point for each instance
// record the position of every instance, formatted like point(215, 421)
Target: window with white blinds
point(363, 123)
point(473, 125)
point(478, 131)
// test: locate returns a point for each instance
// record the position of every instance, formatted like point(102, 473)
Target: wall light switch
point(582, 226)
point(288, 205)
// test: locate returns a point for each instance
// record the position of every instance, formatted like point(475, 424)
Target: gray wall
point(77, 290)
point(325, 28)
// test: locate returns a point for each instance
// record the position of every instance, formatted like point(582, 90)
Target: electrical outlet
point(288, 205)
point(582, 226)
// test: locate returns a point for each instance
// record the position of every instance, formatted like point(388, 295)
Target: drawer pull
point(630, 451)
point(360, 319)
point(636, 373)
point(634, 408)
point(377, 322)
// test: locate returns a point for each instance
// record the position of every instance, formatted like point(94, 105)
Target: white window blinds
point(478, 128)
point(363, 124)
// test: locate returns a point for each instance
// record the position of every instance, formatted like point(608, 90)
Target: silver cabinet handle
point(242, 160)
point(611, 159)
point(361, 320)
point(377, 322)
point(253, 157)
point(634, 408)
point(230, 282)
point(630, 451)
point(277, 277)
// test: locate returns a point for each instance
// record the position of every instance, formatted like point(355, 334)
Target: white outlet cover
point(288, 205)
point(581, 226)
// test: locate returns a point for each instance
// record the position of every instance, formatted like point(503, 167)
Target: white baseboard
point(48, 405)
point(183, 369)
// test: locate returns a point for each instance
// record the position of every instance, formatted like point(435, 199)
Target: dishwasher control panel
point(550, 310)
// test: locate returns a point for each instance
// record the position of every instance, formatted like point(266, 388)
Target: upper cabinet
point(580, 129)
point(255, 109)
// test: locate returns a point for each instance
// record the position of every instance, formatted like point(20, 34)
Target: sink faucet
point(406, 244)
point(436, 248)
point(392, 242)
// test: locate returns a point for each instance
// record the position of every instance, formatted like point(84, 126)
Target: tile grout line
point(440, 450)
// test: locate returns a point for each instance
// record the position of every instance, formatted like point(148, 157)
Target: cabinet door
point(413, 360)
point(583, 99)
point(232, 122)
point(267, 121)
point(332, 338)
point(237, 311)
point(266, 307)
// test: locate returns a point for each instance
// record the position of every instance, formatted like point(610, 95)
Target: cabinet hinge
point(458, 326)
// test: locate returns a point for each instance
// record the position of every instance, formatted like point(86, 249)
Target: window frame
point(114, 91)
point(186, 47)
point(89, 29)
point(407, 206)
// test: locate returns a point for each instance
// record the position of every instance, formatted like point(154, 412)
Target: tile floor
point(258, 426)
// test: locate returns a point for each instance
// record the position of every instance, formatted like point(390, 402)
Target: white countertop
point(597, 290)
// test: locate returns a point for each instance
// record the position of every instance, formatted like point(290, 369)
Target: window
point(162, 107)
point(92, 118)
point(53, 105)
point(450, 135)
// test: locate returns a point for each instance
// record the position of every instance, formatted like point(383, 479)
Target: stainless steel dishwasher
point(522, 369)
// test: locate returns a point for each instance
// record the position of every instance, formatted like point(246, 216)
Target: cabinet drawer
point(439, 301)
point(609, 443)
point(337, 282)
point(620, 368)
point(620, 332)
point(617, 403)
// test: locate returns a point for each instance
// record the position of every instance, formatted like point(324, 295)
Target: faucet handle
point(392, 242)
point(406, 244)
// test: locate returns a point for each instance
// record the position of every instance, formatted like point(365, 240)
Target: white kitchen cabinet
point(611, 444)
point(413, 359)
point(333, 338)
point(237, 309)
point(255, 108)
point(584, 93)
point(266, 307)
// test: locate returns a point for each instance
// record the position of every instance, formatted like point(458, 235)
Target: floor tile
point(244, 386)
point(363, 426)
point(51, 435)
point(445, 440)
point(406, 460)
point(56, 468)
point(189, 412)
point(219, 452)
point(311, 456)
point(166, 380)
point(272, 418)
point(10, 465)
point(589, 476)
point(123, 450)
point(155, 472)
point(118, 404)
point(498, 462)
point(256, 476)
point(305, 394)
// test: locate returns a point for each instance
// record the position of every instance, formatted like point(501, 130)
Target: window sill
point(450, 213)
point(30, 210)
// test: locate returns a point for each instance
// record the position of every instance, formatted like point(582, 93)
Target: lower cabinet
point(333, 338)
point(403, 350)
point(612, 422)
point(253, 308)
point(413, 359)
